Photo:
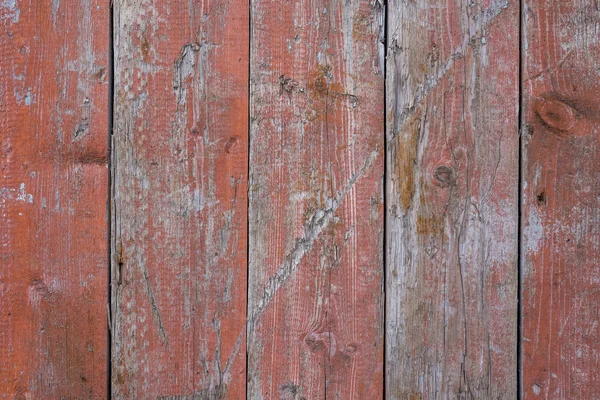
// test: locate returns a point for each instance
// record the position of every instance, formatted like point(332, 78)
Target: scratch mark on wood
point(430, 82)
point(316, 126)
point(317, 223)
point(155, 311)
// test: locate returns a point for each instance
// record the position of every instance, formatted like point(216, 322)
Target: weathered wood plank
point(53, 198)
point(561, 200)
point(180, 159)
point(452, 169)
point(316, 200)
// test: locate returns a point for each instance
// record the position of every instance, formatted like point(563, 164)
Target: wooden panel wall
point(452, 182)
point(259, 247)
point(561, 199)
point(316, 200)
point(53, 199)
point(180, 167)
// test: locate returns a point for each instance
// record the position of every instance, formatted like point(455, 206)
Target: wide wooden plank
point(53, 199)
point(315, 314)
point(561, 200)
point(180, 162)
point(452, 182)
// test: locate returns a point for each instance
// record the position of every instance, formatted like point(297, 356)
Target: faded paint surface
point(316, 201)
point(452, 182)
point(180, 206)
point(561, 200)
point(315, 317)
point(53, 198)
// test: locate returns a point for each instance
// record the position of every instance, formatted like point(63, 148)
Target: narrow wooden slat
point(315, 314)
point(452, 140)
point(180, 159)
point(561, 200)
point(53, 198)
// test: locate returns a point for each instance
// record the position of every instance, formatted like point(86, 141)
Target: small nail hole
point(541, 199)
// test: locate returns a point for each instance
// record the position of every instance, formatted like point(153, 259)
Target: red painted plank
point(316, 201)
point(180, 205)
point(561, 200)
point(53, 198)
point(452, 202)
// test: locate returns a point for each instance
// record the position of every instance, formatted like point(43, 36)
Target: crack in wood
point(312, 230)
point(432, 81)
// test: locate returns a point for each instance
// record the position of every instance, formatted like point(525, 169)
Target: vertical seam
point(110, 196)
point(248, 192)
point(520, 208)
point(385, 193)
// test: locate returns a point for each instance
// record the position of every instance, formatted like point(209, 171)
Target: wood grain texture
point(452, 182)
point(561, 200)
point(53, 199)
point(180, 159)
point(315, 314)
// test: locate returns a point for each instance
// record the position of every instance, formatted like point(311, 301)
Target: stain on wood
point(315, 310)
point(561, 200)
point(53, 199)
point(180, 162)
point(452, 202)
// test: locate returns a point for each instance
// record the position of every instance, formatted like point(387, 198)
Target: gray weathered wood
point(452, 178)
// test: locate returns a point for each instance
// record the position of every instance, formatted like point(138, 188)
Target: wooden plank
point(180, 162)
point(316, 200)
point(452, 181)
point(561, 200)
point(53, 199)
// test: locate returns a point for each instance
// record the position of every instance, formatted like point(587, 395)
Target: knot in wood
point(556, 114)
point(444, 176)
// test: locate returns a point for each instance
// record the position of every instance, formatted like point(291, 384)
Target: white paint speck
point(198, 200)
point(55, 5)
point(12, 10)
point(16, 194)
point(534, 232)
point(23, 196)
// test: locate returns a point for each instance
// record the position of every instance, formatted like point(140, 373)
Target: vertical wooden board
point(452, 204)
point(561, 200)
point(315, 314)
point(180, 206)
point(53, 199)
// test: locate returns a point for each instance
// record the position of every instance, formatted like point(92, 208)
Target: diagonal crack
point(312, 230)
point(155, 310)
point(432, 81)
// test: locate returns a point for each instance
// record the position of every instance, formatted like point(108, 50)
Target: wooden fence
point(325, 199)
